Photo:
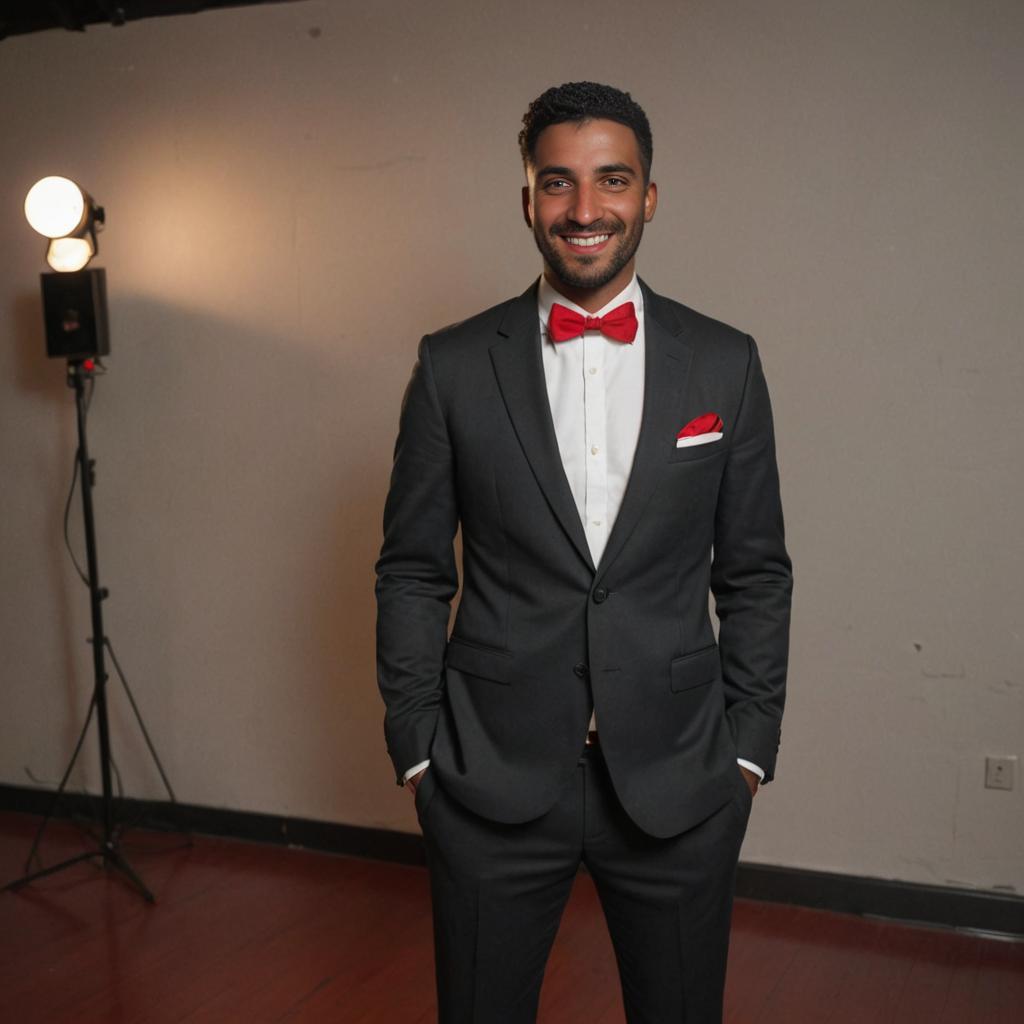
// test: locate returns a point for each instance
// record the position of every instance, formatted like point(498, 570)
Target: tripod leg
point(112, 856)
point(19, 882)
point(60, 789)
point(142, 724)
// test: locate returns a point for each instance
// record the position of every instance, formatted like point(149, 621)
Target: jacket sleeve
point(751, 578)
point(416, 571)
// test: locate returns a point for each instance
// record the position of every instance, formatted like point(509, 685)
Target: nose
point(586, 205)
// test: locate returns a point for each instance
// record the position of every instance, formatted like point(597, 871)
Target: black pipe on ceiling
point(20, 17)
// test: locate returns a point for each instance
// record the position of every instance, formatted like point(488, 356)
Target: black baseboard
point(983, 910)
point(948, 907)
point(163, 816)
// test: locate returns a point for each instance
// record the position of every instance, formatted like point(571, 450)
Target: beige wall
point(295, 193)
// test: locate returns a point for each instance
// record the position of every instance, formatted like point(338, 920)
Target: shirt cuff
point(759, 772)
point(415, 768)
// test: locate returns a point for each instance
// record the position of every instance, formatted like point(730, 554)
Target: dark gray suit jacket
point(501, 707)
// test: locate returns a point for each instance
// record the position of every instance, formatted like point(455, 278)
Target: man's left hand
point(752, 780)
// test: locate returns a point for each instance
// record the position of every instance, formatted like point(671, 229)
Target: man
point(609, 454)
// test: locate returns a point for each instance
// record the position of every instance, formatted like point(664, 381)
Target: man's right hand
point(414, 780)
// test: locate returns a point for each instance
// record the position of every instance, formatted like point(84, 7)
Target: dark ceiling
point(20, 16)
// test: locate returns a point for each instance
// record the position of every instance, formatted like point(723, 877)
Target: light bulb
point(55, 207)
point(69, 254)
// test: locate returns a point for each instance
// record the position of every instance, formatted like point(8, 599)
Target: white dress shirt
point(595, 389)
point(596, 392)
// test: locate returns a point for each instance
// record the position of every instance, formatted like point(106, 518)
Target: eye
point(616, 182)
point(556, 185)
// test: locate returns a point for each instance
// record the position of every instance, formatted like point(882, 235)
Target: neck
point(591, 299)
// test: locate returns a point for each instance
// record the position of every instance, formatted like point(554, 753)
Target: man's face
point(587, 204)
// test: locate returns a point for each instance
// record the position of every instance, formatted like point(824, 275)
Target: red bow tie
point(619, 323)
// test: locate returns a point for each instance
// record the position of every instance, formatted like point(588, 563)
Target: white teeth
point(594, 240)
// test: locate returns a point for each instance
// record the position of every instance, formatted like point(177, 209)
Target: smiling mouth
point(586, 243)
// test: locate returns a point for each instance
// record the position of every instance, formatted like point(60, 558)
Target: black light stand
point(75, 316)
point(80, 370)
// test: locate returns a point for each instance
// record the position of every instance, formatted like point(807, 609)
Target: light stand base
point(110, 858)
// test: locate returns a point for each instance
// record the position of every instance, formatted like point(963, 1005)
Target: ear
point(650, 202)
point(527, 207)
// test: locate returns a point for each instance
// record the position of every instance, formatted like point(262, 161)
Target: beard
point(587, 272)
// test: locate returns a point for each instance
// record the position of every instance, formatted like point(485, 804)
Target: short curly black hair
point(585, 101)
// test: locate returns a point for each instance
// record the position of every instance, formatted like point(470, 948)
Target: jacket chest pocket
point(697, 452)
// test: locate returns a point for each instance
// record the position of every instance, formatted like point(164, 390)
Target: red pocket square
point(709, 423)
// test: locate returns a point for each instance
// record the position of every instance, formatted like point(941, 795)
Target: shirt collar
point(547, 296)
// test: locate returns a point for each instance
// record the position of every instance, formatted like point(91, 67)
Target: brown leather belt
point(591, 740)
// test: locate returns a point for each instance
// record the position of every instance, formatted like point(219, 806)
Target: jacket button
point(581, 670)
point(600, 595)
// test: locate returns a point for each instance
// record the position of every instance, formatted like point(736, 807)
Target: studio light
point(61, 210)
point(75, 318)
point(74, 298)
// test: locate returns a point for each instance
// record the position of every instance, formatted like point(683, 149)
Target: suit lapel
point(520, 371)
point(666, 365)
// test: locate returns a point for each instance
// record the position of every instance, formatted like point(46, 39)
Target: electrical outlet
point(1000, 772)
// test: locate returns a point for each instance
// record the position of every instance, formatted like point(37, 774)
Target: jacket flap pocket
point(695, 668)
point(477, 660)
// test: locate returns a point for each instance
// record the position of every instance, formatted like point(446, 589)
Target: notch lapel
point(519, 368)
point(666, 366)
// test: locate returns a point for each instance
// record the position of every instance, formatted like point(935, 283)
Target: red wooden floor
point(251, 934)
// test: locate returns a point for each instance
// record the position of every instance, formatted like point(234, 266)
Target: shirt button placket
point(596, 458)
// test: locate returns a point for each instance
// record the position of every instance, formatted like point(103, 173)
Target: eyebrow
point(567, 172)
